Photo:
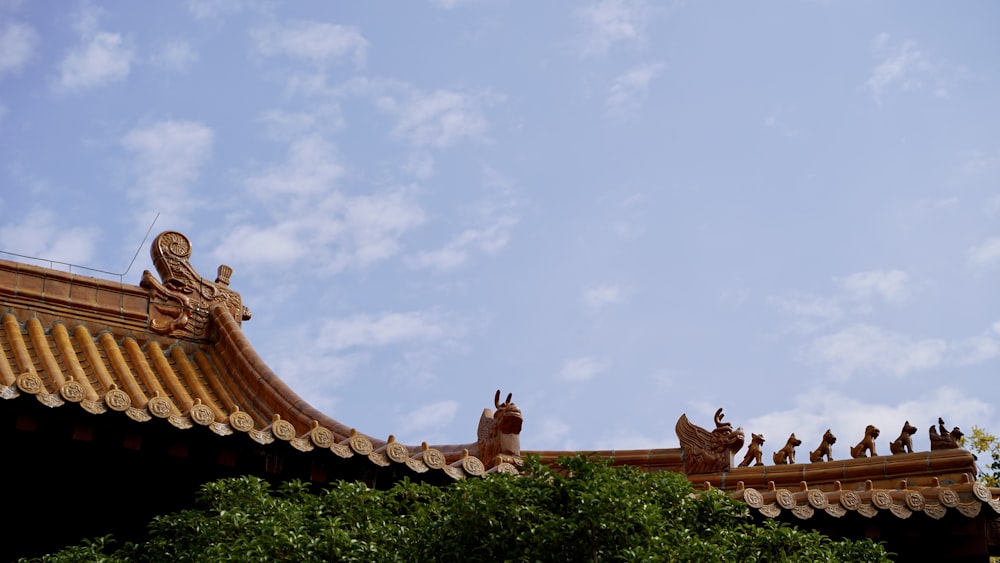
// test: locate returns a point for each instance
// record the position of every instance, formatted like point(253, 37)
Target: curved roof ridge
point(250, 371)
point(170, 348)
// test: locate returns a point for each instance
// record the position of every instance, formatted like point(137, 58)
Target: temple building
point(121, 399)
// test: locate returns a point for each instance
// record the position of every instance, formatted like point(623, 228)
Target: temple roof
point(173, 349)
point(170, 349)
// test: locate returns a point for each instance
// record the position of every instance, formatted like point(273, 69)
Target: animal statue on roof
point(825, 448)
point(945, 440)
point(867, 444)
point(753, 451)
point(904, 444)
point(708, 452)
point(499, 434)
point(787, 453)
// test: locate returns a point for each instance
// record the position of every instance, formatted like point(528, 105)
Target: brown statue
point(180, 305)
point(787, 453)
point(825, 448)
point(753, 451)
point(708, 452)
point(499, 433)
point(867, 444)
point(904, 444)
point(945, 440)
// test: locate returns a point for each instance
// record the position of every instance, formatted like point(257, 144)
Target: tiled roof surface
point(932, 483)
point(174, 350)
point(902, 501)
point(74, 341)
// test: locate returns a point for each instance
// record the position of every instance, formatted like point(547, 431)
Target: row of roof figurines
point(941, 439)
point(709, 452)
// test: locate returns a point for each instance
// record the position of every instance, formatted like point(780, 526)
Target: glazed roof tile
point(172, 350)
point(968, 499)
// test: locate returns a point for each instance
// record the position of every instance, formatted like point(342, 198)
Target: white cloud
point(493, 220)
point(438, 119)
point(368, 331)
point(176, 55)
point(868, 349)
point(629, 89)
point(307, 215)
point(319, 42)
point(420, 164)
point(282, 243)
point(39, 235)
point(212, 9)
point(890, 285)
point(582, 369)
point(856, 292)
point(979, 162)
point(101, 58)
point(451, 4)
point(459, 250)
point(600, 296)
point(316, 375)
point(550, 433)
point(903, 67)
point(169, 156)
point(375, 224)
point(608, 22)
point(811, 312)
point(312, 167)
point(986, 253)
point(291, 125)
point(981, 348)
point(429, 417)
point(18, 42)
point(334, 231)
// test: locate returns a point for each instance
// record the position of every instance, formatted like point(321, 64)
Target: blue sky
point(619, 211)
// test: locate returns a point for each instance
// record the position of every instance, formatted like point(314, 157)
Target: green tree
point(586, 511)
point(985, 444)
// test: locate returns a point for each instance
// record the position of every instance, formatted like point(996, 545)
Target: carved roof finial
point(181, 303)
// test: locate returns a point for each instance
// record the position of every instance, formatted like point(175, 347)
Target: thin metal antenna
point(121, 276)
point(141, 244)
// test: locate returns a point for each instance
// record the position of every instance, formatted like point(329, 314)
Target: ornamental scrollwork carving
point(395, 451)
point(30, 383)
point(117, 400)
point(320, 436)
point(817, 499)
point(179, 305)
point(241, 421)
point(72, 391)
point(201, 413)
point(160, 407)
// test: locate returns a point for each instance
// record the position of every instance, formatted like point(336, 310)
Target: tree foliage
point(587, 511)
point(985, 444)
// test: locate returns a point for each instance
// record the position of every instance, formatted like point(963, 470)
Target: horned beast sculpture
point(499, 433)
